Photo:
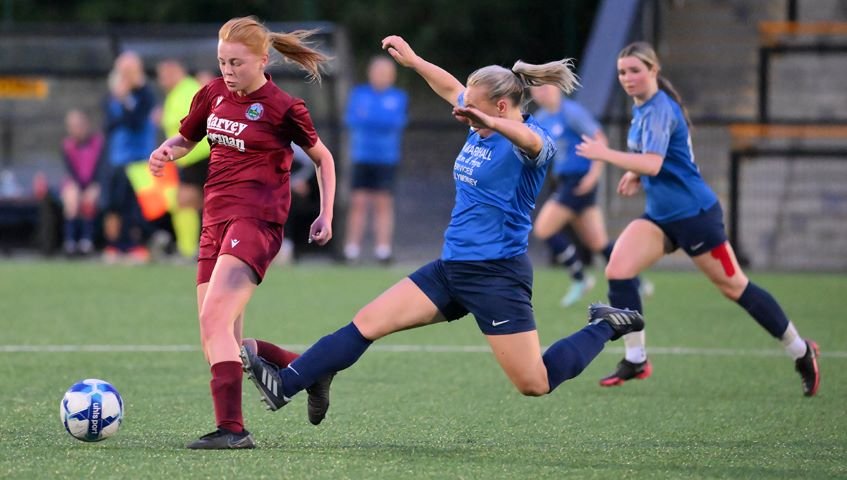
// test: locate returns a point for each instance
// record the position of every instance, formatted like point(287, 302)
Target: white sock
point(351, 252)
point(382, 252)
point(636, 347)
point(794, 345)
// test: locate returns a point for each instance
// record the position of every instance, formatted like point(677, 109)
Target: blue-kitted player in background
point(375, 118)
point(575, 200)
point(484, 268)
point(681, 212)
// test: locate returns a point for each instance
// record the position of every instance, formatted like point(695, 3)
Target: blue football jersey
point(376, 120)
point(678, 191)
point(496, 188)
point(567, 126)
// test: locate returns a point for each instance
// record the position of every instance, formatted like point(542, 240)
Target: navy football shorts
point(497, 292)
point(565, 194)
point(374, 176)
point(695, 235)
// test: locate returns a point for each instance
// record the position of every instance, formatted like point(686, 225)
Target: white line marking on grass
point(97, 348)
point(682, 351)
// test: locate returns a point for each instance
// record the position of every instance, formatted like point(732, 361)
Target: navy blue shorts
point(695, 235)
point(565, 193)
point(120, 197)
point(374, 176)
point(497, 292)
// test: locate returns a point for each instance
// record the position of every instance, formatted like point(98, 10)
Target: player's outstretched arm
point(441, 82)
point(640, 163)
point(518, 133)
point(171, 149)
point(321, 230)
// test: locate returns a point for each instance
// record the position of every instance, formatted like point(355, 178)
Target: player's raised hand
point(158, 158)
point(321, 230)
point(400, 50)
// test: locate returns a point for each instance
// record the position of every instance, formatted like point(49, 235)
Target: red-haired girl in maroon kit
point(250, 124)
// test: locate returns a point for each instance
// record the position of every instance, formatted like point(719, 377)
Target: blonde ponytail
point(559, 73)
point(502, 82)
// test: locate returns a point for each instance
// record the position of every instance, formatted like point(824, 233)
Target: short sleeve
point(580, 121)
point(656, 131)
point(460, 100)
point(193, 125)
point(548, 149)
point(297, 125)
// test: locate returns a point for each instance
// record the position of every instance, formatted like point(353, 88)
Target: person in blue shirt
point(575, 199)
point(484, 268)
point(681, 212)
point(131, 136)
point(375, 118)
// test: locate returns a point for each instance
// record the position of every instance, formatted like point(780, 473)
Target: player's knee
point(368, 323)
point(533, 388)
point(210, 325)
point(540, 233)
point(731, 289)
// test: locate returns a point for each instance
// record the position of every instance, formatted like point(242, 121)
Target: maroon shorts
point(253, 241)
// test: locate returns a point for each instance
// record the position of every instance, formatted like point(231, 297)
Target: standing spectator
point(131, 136)
point(180, 88)
point(376, 116)
point(82, 151)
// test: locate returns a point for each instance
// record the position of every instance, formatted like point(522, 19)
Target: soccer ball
point(91, 410)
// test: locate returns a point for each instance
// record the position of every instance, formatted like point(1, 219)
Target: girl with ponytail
point(250, 124)
point(681, 212)
point(484, 268)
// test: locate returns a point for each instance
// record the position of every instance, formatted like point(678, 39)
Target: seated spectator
point(82, 150)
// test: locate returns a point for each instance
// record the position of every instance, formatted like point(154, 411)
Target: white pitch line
point(682, 351)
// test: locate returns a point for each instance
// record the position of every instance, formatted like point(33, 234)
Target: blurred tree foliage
point(460, 35)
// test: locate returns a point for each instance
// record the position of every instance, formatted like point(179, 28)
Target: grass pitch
point(723, 402)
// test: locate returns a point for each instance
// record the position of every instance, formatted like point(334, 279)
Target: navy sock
point(607, 252)
point(70, 229)
point(565, 253)
point(764, 309)
point(87, 229)
point(330, 354)
point(624, 294)
point(569, 356)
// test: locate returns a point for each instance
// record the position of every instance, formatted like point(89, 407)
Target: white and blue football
point(91, 410)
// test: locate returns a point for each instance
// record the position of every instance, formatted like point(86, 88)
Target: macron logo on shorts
point(234, 242)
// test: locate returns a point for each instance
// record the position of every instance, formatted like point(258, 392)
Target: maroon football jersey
point(250, 139)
